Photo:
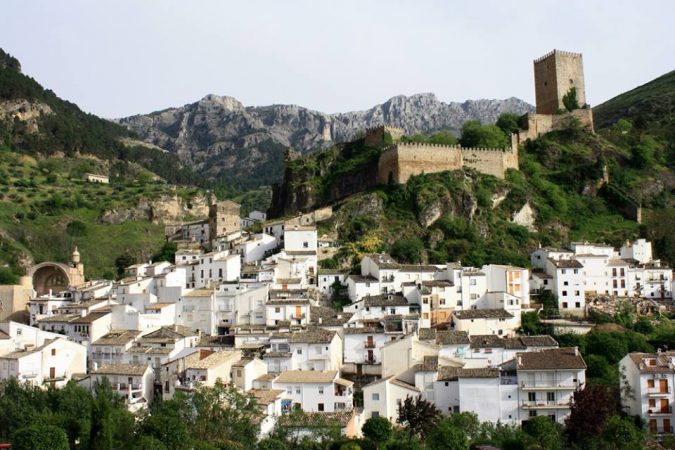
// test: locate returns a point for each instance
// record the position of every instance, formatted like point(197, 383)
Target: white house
point(293, 310)
point(314, 349)
point(381, 398)
point(53, 363)
point(647, 388)
point(315, 391)
point(134, 382)
point(362, 349)
point(486, 321)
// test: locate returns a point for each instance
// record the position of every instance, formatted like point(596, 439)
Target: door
point(298, 312)
point(666, 426)
point(52, 372)
point(664, 405)
point(663, 386)
point(652, 425)
point(370, 343)
point(371, 358)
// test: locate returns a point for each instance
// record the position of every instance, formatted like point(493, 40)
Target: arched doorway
point(50, 277)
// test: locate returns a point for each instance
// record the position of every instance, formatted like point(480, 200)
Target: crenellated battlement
point(399, 161)
point(557, 52)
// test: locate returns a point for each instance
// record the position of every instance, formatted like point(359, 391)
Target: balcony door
point(369, 342)
point(298, 312)
point(666, 426)
point(664, 405)
point(52, 372)
point(663, 386)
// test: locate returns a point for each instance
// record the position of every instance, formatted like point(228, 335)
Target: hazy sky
point(123, 57)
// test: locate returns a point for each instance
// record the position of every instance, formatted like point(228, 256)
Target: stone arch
point(49, 276)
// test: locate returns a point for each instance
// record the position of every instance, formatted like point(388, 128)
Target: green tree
point(418, 415)
point(622, 434)
point(122, 262)
point(408, 250)
point(508, 123)
point(7, 276)
point(378, 430)
point(40, 437)
point(475, 134)
point(166, 253)
point(570, 100)
point(545, 431)
point(591, 408)
point(447, 436)
point(530, 323)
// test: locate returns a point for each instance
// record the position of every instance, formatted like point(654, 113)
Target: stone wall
point(554, 74)
point(535, 125)
point(375, 135)
point(401, 161)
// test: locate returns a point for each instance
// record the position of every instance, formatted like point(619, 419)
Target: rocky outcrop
point(218, 135)
point(168, 209)
point(526, 217)
point(23, 114)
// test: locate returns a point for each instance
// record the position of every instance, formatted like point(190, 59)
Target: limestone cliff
point(220, 136)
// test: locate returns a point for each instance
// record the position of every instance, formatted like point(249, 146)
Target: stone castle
point(554, 73)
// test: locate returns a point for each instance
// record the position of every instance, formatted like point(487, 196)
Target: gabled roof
point(385, 300)
point(121, 369)
point(557, 358)
point(452, 337)
point(117, 337)
point(306, 376)
point(483, 314)
point(311, 336)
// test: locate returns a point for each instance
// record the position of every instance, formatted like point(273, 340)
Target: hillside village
point(255, 309)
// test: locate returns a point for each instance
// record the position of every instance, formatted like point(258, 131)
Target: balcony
point(543, 404)
point(660, 411)
point(658, 392)
point(123, 387)
point(298, 316)
point(550, 386)
point(369, 344)
point(369, 361)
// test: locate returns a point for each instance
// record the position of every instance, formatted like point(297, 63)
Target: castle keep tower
point(224, 218)
point(554, 74)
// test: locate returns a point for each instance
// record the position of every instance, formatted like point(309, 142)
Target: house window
point(277, 310)
point(297, 390)
point(239, 372)
point(53, 352)
point(289, 389)
point(650, 383)
point(550, 396)
point(376, 397)
point(533, 414)
point(473, 282)
point(531, 396)
point(564, 305)
point(320, 406)
point(564, 293)
point(321, 391)
point(374, 414)
point(577, 305)
point(299, 351)
point(576, 292)
point(306, 245)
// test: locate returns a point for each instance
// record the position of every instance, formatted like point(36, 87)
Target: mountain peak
point(227, 102)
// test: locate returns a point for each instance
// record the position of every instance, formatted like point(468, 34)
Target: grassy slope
point(40, 196)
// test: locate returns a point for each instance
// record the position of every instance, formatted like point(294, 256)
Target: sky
point(117, 58)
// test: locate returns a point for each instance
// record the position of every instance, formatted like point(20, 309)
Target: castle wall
point(540, 124)
point(487, 161)
point(375, 135)
point(406, 160)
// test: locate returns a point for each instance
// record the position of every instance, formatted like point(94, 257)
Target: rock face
point(221, 137)
point(166, 209)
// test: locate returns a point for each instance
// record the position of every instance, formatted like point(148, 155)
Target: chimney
point(520, 361)
point(320, 320)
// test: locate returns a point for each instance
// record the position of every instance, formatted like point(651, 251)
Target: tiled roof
point(662, 362)
point(117, 337)
point(121, 369)
point(539, 341)
point(558, 358)
point(363, 330)
point(91, 317)
point(306, 376)
point(448, 373)
point(329, 317)
point(486, 341)
point(362, 279)
point(199, 293)
point(430, 364)
point(450, 337)
point(311, 336)
point(426, 334)
point(213, 360)
point(483, 372)
point(419, 268)
point(437, 283)
point(265, 396)
point(288, 301)
point(566, 263)
point(483, 314)
point(385, 300)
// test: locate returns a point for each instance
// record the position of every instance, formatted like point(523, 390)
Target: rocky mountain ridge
point(219, 136)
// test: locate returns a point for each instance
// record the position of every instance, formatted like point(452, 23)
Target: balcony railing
point(298, 316)
point(369, 344)
point(658, 392)
point(660, 411)
point(549, 386)
point(544, 404)
point(369, 361)
point(127, 387)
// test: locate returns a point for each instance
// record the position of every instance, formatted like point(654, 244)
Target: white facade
point(315, 391)
point(648, 381)
point(382, 398)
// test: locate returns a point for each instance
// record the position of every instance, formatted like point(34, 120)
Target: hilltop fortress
point(401, 160)
point(555, 74)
